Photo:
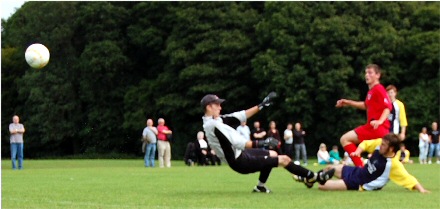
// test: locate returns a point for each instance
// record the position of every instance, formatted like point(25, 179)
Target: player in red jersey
point(378, 107)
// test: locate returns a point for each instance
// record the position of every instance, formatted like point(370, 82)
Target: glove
point(267, 100)
point(269, 142)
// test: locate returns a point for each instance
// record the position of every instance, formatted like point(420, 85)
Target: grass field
point(127, 184)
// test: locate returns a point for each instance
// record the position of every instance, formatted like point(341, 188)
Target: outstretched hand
point(341, 103)
point(267, 101)
point(356, 153)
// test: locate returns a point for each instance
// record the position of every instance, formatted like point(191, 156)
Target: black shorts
point(254, 160)
point(350, 176)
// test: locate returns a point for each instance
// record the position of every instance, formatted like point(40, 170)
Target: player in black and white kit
point(243, 155)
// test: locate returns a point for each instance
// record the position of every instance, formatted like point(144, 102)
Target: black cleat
point(261, 189)
point(308, 182)
point(323, 176)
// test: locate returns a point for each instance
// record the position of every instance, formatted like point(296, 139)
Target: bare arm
point(248, 145)
point(420, 188)
point(167, 131)
point(16, 131)
point(351, 103)
point(402, 133)
point(383, 117)
point(251, 111)
point(11, 130)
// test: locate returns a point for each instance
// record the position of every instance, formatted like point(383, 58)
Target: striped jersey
point(397, 117)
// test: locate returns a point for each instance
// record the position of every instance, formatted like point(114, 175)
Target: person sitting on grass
point(205, 155)
point(380, 168)
point(324, 156)
point(403, 155)
point(334, 153)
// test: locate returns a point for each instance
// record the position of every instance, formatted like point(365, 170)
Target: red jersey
point(160, 134)
point(376, 102)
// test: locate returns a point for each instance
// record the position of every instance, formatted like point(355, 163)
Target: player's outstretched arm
point(400, 176)
point(267, 101)
point(351, 103)
point(420, 188)
point(251, 111)
point(269, 142)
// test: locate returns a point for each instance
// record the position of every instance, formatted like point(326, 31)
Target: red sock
point(350, 148)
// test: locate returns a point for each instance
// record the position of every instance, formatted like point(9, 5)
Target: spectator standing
point(288, 140)
point(434, 147)
point(300, 146)
point(397, 116)
point(244, 130)
point(423, 145)
point(258, 133)
point(149, 135)
point(273, 132)
point(163, 145)
point(16, 129)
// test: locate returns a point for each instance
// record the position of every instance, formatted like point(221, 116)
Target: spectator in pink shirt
point(163, 144)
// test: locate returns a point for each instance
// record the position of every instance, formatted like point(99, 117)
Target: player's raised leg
point(348, 142)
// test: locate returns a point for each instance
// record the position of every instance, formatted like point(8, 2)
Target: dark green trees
point(115, 64)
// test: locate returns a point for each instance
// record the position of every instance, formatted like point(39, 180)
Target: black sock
point(264, 175)
point(300, 171)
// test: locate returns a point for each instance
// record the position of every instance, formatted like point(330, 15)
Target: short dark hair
point(375, 67)
point(393, 141)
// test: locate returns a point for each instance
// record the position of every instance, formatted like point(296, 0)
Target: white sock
point(261, 184)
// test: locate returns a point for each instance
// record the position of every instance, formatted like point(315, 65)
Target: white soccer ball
point(37, 56)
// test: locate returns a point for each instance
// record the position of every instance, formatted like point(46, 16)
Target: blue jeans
point(17, 152)
point(300, 148)
point(434, 150)
point(423, 152)
point(150, 153)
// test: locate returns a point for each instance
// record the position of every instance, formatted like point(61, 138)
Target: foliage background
point(115, 64)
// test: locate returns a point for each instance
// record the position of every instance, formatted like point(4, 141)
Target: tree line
point(115, 64)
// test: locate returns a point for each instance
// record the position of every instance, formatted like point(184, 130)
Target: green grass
point(127, 184)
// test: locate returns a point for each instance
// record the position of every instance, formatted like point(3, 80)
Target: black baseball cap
point(209, 99)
